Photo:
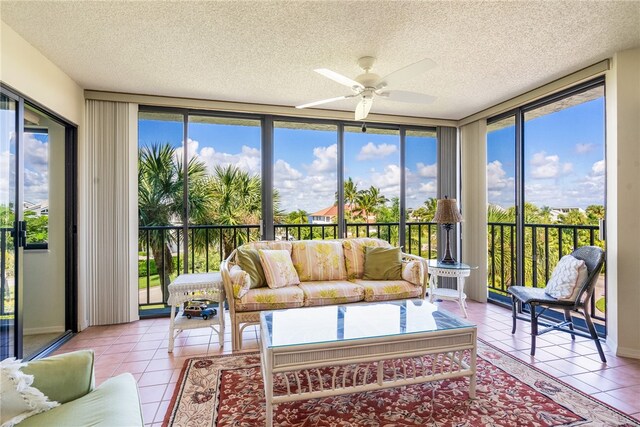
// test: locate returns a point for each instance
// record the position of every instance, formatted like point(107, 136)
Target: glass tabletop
point(457, 266)
point(311, 325)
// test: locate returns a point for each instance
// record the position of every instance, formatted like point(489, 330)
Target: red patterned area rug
point(228, 391)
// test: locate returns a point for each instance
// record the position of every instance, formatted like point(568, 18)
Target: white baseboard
point(44, 330)
point(628, 352)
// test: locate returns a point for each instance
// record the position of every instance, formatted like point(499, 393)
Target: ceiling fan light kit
point(367, 86)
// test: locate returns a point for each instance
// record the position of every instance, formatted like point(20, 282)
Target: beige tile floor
point(141, 348)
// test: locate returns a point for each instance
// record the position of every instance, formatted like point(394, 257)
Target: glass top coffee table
point(316, 352)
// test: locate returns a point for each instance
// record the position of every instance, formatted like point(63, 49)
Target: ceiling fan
point(369, 85)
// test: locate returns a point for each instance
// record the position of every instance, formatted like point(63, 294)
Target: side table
point(459, 271)
point(187, 287)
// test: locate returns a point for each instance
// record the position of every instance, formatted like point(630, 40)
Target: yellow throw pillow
point(278, 268)
point(382, 264)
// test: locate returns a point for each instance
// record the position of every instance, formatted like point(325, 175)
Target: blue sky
point(564, 159)
point(305, 160)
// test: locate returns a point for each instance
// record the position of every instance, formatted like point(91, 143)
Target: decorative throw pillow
point(318, 260)
point(18, 399)
point(240, 281)
point(382, 264)
point(354, 254)
point(566, 278)
point(278, 268)
point(249, 261)
point(413, 272)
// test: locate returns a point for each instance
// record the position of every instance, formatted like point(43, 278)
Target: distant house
point(329, 215)
point(40, 209)
point(324, 216)
point(556, 212)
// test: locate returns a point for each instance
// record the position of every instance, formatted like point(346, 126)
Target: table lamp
point(447, 214)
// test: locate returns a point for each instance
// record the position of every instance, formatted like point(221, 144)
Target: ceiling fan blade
point(406, 96)
point(406, 73)
point(339, 78)
point(324, 101)
point(362, 110)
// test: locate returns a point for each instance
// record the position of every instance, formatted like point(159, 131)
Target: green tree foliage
point(37, 227)
point(160, 201)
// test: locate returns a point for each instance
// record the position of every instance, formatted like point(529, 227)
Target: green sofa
point(69, 380)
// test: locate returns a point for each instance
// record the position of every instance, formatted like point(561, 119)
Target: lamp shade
point(447, 212)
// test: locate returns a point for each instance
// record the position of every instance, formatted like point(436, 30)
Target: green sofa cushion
point(115, 403)
point(65, 377)
point(382, 264)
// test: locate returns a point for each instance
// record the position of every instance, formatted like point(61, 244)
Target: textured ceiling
point(265, 52)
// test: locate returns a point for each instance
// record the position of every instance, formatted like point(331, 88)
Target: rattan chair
point(536, 298)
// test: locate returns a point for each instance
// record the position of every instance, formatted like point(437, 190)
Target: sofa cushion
point(18, 399)
point(278, 268)
point(318, 260)
point(382, 264)
point(271, 244)
point(331, 293)
point(249, 261)
point(64, 377)
point(385, 290)
point(413, 271)
point(354, 254)
point(270, 299)
point(114, 403)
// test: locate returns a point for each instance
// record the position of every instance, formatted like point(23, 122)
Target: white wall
point(623, 202)
point(26, 70)
point(43, 279)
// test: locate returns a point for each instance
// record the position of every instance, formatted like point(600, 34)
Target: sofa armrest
point(65, 377)
point(225, 267)
point(425, 270)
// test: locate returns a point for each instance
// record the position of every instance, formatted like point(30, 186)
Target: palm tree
point(160, 201)
point(350, 196)
point(427, 211)
point(236, 200)
point(298, 217)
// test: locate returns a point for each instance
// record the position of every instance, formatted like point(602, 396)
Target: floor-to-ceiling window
point(305, 180)
point(243, 177)
point(372, 182)
point(421, 191)
point(548, 156)
point(501, 200)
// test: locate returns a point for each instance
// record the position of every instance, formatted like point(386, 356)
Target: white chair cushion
point(566, 278)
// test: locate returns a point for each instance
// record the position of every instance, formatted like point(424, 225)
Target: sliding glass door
point(38, 308)
point(10, 222)
point(546, 187)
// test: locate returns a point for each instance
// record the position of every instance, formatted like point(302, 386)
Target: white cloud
point(388, 181)
point(372, 151)
point(544, 166)
point(283, 171)
point(598, 168)
point(427, 171)
point(325, 159)
point(584, 148)
point(500, 186)
point(248, 159)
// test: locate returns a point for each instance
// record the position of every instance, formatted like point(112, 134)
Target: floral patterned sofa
point(327, 272)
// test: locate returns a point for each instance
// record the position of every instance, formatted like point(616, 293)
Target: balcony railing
point(210, 244)
point(544, 245)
